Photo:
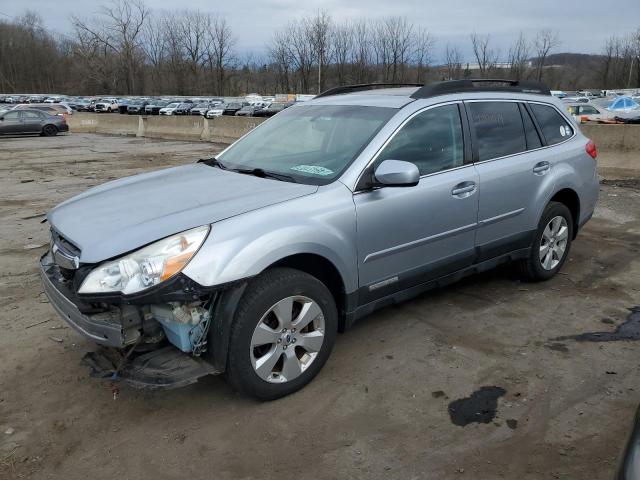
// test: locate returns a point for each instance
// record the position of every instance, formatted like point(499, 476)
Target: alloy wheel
point(553, 243)
point(287, 339)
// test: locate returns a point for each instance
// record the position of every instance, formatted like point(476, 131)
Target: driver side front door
point(407, 236)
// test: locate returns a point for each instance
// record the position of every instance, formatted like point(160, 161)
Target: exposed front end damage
point(155, 339)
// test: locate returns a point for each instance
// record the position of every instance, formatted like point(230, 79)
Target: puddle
point(629, 330)
point(480, 407)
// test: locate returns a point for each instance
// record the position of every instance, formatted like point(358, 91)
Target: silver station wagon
point(250, 263)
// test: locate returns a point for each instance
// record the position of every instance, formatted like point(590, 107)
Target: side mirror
point(397, 173)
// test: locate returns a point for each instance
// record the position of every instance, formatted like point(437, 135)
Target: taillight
point(590, 148)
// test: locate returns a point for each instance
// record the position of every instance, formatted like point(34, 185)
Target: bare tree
point(423, 43)
point(154, 45)
point(222, 44)
point(518, 57)
point(545, 41)
point(486, 56)
point(119, 29)
point(453, 58)
point(280, 56)
point(342, 49)
point(361, 58)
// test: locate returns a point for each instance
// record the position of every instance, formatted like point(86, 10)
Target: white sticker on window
point(313, 169)
point(563, 130)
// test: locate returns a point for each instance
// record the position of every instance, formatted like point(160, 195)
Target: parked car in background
point(154, 107)
point(50, 108)
point(36, 99)
point(271, 110)
point(247, 111)
point(216, 111)
point(31, 122)
point(183, 109)
point(201, 108)
point(591, 112)
point(106, 105)
point(52, 100)
point(81, 105)
point(123, 105)
point(169, 109)
point(232, 107)
point(136, 107)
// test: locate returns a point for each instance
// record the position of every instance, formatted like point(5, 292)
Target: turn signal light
point(590, 147)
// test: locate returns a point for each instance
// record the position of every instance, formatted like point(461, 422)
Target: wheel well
point(570, 199)
point(323, 270)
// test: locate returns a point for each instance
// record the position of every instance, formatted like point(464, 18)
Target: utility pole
point(319, 71)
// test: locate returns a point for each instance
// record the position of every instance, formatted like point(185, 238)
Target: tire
point(284, 352)
point(49, 130)
point(542, 264)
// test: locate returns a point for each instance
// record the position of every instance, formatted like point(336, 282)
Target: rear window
point(498, 127)
point(554, 126)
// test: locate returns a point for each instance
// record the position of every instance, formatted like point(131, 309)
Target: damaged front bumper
point(164, 368)
point(163, 331)
point(102, 330)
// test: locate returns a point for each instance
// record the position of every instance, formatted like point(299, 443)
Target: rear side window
point(533, 140)
point(553, 125)
point(498, 127)
point(31, 115)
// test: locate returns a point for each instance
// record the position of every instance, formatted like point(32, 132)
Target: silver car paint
point(119, 216)
point(368, 236)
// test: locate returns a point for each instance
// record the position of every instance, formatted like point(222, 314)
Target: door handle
point(541, 168)
point(464, 189)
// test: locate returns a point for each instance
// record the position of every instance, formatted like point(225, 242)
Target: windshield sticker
point(313, 169)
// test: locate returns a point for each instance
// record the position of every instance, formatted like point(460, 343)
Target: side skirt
point(412, 292)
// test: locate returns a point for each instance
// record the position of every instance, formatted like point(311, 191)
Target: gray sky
point(583, 25)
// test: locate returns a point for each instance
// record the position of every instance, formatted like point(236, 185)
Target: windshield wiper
point(212, 162)
point(259, 172)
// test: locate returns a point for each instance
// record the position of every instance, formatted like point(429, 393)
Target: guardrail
point(223, 129)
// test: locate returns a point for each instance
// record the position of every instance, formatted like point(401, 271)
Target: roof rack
point(451, 86)
point(481, 85)
point(363, 87)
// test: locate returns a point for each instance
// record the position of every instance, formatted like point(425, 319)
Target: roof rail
point(364, 86)
point(481, 85)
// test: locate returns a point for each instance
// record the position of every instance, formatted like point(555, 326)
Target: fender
point(243, 246)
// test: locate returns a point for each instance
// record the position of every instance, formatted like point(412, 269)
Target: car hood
point(123, 215)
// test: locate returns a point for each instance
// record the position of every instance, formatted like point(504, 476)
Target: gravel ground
point(409, 392)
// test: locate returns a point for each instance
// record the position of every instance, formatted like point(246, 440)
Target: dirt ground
point(390, 403)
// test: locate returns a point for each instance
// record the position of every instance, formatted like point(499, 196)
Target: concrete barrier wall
point(614, 137)
point(189, 127)
point(229, 129)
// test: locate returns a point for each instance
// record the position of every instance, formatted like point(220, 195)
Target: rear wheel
point(49, 130)
point(551, 244)
point(283, 333)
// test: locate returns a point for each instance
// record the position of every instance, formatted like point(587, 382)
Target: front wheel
point(551, 244)
point(283, 333)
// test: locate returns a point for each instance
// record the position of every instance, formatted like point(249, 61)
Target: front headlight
point(146, 267)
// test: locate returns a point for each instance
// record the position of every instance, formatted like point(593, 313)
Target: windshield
point(313, 144)
point(173, 105)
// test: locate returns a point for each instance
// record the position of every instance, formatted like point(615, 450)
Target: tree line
point(129, 49)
